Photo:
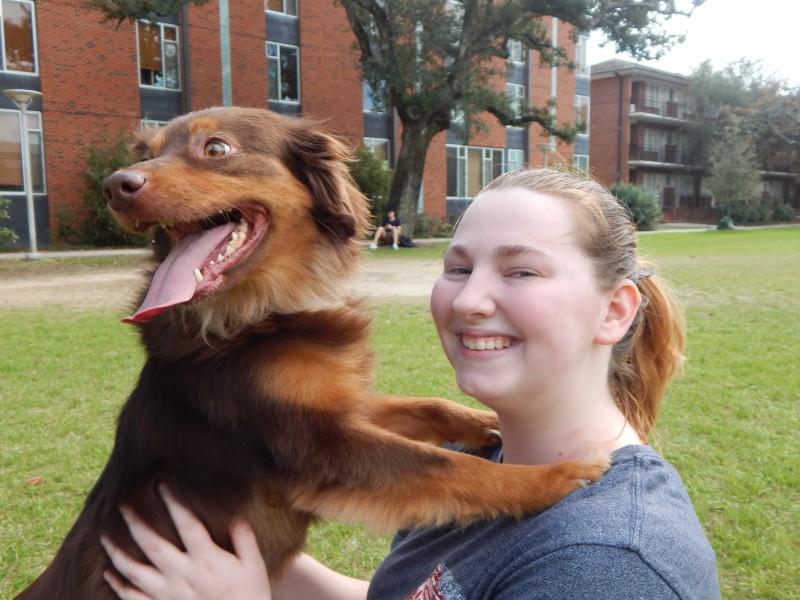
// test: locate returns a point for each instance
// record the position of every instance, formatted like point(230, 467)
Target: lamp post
point(23, 99)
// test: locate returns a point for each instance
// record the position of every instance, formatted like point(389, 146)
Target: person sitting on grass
point(389, 227)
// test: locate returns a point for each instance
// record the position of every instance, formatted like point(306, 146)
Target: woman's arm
point(207, 572)
point(307, 579)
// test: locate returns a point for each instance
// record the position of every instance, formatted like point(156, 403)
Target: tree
point(718, 100)
point(431, 60)
point(132, 10)
point(735, 173)
point(373, 178)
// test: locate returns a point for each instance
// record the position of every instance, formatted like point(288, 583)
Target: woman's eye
point(457, 270)
point(523, 274)
point(216, 148)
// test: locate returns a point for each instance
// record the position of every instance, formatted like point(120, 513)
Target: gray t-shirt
point(632, 535)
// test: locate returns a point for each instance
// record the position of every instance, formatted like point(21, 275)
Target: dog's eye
point(216, 148)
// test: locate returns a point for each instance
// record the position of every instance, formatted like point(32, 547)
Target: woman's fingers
point(193, 534)
point(158, 551)
point(137, 573)
point(244, 542)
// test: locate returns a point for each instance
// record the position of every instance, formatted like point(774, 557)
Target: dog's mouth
point(206, 250)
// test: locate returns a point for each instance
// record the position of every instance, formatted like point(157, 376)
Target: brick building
point(100, 79)
point(639, 119)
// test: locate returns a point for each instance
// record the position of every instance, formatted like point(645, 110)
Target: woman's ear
point(623, 303)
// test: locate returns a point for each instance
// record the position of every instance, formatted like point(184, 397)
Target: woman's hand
point(204, 571)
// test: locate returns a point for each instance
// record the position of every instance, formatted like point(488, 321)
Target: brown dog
point(255, 396)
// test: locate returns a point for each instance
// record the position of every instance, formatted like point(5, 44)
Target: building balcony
point(666, 155)
point(653, 110)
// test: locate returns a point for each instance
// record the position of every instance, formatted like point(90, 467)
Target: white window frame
point(516, 93)
point(148, 123)
point(373, 143)
point(164, 45)
point(516, 51)
point(367, 101)
point(581, 51)
point(580, 102)
point(284, 4)
point(489, 158)
point(3, 67)
point(515, 159)
point(581, 161)
point(280, 47)
point(34, 131)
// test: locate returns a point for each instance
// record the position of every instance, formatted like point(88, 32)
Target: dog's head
point(253, 213)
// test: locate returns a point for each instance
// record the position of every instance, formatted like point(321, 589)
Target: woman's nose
point(475, 298)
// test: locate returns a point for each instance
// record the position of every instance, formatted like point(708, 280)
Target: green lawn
point(730, 424)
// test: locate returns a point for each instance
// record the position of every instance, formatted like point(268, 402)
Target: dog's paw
point(588, 471)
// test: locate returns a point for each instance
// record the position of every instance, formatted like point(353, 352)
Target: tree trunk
point(407, 182)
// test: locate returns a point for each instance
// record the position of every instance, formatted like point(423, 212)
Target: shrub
point(7, 235)
point(745, 212)
point(101, 229)
point(432, 227)
point(784, 213)
point(374, 179)
point(642, 205)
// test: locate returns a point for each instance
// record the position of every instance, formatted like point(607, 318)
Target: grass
point(729, 424)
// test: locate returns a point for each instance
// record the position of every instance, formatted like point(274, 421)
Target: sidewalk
point(22, 254)
point(671, 228)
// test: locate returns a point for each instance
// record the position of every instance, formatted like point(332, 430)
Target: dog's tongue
point(174, 282)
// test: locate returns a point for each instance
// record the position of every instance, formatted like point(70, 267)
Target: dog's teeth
point(212, 263)
point(198, 276)
point(136, 223)
point(220, 258)
point(229, 249)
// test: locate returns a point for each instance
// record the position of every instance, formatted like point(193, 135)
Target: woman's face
point(517, 307)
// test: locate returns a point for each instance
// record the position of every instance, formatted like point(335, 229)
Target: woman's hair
point(651, 352)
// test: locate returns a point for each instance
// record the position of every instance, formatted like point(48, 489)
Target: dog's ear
point(319, 161)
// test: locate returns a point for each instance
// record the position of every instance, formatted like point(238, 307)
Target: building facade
point(638, 135)
point(101, 79)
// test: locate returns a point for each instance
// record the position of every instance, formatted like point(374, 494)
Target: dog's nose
point(121, 188)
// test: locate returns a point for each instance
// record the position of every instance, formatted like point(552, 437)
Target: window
point(19, 42)
point(148, 123)
point(516, 51)
point(516, 95)
point(470, 168)
point(11, 179)
point(283, 72)
point(582, 112)
point(158, 55)
point(372, 101)
point(287, 7)
point(581, 64)
point(379, 147)
point(515, 160)
point(581, 161)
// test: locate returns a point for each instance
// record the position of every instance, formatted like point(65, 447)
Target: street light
point(23, 99)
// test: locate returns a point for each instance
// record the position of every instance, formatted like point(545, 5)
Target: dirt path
point(90, 287)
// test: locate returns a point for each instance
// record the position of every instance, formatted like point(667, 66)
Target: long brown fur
point(256, 399)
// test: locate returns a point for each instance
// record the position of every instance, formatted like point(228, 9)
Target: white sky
point(725, 31)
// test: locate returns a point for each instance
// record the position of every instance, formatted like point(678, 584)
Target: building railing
point(663, 108)
point(668, 153)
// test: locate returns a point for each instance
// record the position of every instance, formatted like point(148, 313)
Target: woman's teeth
point(485, 343)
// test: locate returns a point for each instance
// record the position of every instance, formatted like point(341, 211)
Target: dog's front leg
point(433, 420)
point(387, 482)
